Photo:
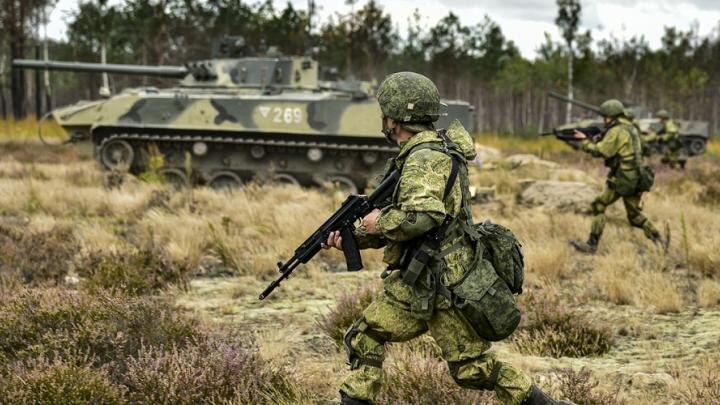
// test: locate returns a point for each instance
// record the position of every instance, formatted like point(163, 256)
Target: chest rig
point(421, 265)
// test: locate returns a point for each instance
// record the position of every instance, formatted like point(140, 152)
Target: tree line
point(473, 62)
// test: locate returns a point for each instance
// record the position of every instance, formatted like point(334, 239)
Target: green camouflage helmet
point(611, 108)
point(662, 114)
point(409, 97)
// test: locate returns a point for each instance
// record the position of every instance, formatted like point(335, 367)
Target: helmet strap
point(388, 131)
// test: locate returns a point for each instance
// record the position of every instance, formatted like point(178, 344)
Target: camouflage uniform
point(403, 312)
point(618, 149)
point(400, 313)
point(671, 137)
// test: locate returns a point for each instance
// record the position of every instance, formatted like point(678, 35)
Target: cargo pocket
point(625, 182)
point(486, 302)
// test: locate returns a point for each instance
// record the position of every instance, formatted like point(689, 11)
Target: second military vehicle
point(238, 117)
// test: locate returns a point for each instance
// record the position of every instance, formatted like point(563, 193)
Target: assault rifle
point(568, 134)
point(354, 208)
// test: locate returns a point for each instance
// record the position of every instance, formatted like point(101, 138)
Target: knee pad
point(483, 375)
point(597, 207)
point(637, 221)
point(356, 359)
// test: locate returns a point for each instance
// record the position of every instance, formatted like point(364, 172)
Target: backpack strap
point(454, 170)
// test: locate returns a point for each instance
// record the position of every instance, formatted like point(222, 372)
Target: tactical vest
point(639, 177)
point(484, 295)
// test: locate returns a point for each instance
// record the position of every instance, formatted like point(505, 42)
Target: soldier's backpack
point(485, 293)
point(646, 179)
point(646, 176)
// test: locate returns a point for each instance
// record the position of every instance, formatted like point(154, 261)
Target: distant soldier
point(668, 135)
point(428, 194)
point(646, 138)
point(620, 147)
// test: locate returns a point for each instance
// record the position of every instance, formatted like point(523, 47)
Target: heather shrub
point(44, 381)
point(105, 328)
point(551, 328)
point(137, 272)
point(418, 377)
point(37, 256)
point(701, 385)
point(580, 387)
point(209, 371)
point(348, 309)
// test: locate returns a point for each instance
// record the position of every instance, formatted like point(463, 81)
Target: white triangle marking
point(264, 110)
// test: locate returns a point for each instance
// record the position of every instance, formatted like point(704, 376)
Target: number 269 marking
point(287, 115)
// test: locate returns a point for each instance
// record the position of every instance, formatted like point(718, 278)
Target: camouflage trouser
point(674, 159)
point(633, 209)
point(470, 366)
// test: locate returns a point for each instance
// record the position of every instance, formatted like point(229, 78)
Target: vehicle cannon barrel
point(163, 71)
point(581, 104)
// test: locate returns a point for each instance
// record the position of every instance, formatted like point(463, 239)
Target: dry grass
point(551, 260)
point(349, 308)
point(580, 387)
point(701, 384)
point(708, 293)
point(418, 377)
point(537, 145)
point(245, 232)
point(622, 279)
point(551, 327)
point(27, 129)
point(713, 148)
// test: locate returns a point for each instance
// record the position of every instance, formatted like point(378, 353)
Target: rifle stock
point(355, 207)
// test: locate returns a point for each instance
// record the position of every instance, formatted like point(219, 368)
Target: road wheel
point(225, 180)
point(117, 155)
point(175, 177)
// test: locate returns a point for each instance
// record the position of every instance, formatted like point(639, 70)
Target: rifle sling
point(431, 242)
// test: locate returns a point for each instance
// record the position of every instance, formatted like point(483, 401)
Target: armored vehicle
point(235, 118)
point(694, 134)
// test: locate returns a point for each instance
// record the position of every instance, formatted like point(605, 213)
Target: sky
point(525, 22)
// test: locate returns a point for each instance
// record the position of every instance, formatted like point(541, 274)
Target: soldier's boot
point(654, 235)
point(347, 400)
point(589, 247)
point(538, 397)
point(663, 242)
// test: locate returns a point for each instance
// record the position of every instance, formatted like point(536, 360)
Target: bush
point(209, 371)
point(74, 347)
point(416, 377)
point(580, 388)
point(49, 382)
point(140, 272)
point(104, 328)
point(551, 329)
point(37, 256)
point(348, 309)
point(700, 386)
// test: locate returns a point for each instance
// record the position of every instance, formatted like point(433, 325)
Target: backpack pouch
point(486, 302)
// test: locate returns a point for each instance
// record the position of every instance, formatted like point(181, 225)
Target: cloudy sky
point(523, 21)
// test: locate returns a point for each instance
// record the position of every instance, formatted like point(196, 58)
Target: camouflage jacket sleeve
point(608, 146)
point(649, 137)
point(368, 241)
point(671, 132)
point(419, 204)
